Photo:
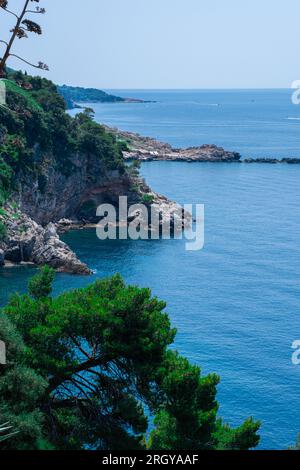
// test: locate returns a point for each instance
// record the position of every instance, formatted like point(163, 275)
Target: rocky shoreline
point(148, 149)
point(35, 224)
point(30, 243)
point(27, 242)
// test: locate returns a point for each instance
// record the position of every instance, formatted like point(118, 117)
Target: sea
point(236, 302)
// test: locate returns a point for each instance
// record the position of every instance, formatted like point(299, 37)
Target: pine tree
point(104, 353)
point(22, 27)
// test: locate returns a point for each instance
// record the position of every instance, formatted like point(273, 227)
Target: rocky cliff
point(33, 225)
point(55, 167)
point(28, 242)
point(65, 202)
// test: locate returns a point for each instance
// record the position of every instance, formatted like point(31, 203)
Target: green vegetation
point(74, 95)
point(12, 87)
point(124, 145)
point(134, 168)
point(91, 367)
point(20, 391)
point(84, 367)
point(147, 198)
point(34, 125)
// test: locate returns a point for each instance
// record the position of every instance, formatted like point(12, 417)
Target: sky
point(165, 44)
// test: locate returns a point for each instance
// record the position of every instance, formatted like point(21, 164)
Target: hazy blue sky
point(167, 43)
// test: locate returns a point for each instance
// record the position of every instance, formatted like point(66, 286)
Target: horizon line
point(190, 89)
point(108, 89)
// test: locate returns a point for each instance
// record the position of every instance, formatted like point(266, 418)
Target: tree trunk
point(13, 37)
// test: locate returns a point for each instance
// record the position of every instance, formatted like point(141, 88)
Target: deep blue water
point(256, 123)
point(236, 302)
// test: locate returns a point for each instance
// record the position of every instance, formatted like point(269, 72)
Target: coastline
point(42, 244)
point(147, 149)
point(35, 244)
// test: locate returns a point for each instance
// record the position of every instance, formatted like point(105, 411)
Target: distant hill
point(73, 95)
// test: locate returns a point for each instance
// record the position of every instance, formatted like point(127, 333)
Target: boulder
point(28, 241)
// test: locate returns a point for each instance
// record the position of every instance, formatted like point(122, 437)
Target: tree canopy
point(34, 125)
point(100, 366)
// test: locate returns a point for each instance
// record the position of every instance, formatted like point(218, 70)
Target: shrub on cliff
point(35, 126)
point(104, 353)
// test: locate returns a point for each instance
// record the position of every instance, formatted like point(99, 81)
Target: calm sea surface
point(236, 303)
point(256, 123)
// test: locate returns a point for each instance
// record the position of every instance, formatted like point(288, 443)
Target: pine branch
point(40, 65)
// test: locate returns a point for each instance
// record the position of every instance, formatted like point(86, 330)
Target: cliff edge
point(55, 171)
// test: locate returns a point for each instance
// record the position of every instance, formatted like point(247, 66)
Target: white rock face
point(26, 241)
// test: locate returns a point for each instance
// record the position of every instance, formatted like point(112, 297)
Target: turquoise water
point(236, 302)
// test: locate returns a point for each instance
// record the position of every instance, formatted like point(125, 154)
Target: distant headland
point(74, 96)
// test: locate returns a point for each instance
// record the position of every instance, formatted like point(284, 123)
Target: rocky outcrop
point(56, 201)
point(56, 167)
point(205, 153)
point(160, 208)
point(148, 149)
point(73, 192)
point(28, 242)
point(50, 193)
point(53, 193)
point(71, 199)
point(152, 213)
